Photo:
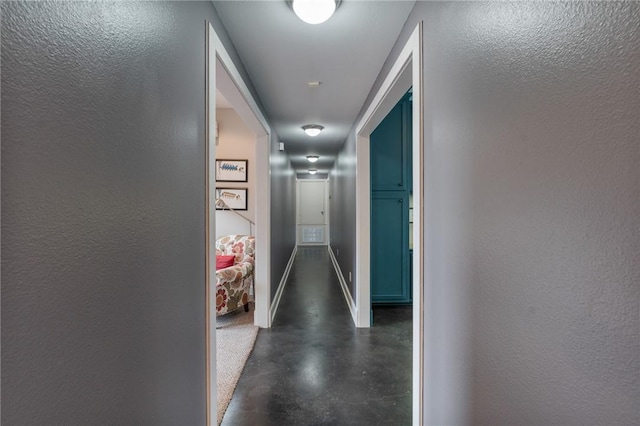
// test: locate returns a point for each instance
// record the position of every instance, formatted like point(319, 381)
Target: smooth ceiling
point(282, 55)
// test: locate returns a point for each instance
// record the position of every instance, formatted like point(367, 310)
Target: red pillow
point(225, 261)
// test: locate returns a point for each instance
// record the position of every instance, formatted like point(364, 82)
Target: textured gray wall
point(532, 124)
point(103, 213)
point(283, 212)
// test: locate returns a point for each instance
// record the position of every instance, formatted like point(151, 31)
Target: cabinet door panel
point(388, 153)
point(389, 248)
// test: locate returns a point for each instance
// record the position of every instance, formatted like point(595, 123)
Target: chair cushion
point(225, 261)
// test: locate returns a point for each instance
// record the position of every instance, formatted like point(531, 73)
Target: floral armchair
point(233, 283)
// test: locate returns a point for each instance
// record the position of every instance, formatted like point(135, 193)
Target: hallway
point(313, 367)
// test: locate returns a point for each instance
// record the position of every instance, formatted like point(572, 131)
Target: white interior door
point(312, 212)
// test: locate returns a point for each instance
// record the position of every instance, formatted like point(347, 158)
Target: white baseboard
point(283, 281)
point(345, 289)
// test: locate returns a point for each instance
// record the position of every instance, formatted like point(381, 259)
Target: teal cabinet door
point(390, 248)
point(388, 153)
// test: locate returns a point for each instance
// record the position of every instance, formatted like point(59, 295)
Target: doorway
point(223, 77)
point(405, 73)
point(391, 197)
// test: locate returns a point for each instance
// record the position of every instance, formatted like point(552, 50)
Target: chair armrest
point(233, 274)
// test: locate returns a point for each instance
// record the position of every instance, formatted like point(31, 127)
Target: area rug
point(235, 337)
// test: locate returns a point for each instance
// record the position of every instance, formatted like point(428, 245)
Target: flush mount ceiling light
point(312, 158)
point(312, 171)
point(314, 11)
point(312, 129)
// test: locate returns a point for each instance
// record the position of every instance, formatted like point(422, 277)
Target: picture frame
point(232, 170)
point(235, 198)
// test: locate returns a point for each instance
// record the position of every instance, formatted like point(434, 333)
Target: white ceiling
point(282, 54)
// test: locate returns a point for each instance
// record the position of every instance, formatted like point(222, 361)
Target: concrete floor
point(313, 367)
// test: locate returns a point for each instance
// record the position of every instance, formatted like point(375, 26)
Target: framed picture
point(236, 198)
point(231, 170)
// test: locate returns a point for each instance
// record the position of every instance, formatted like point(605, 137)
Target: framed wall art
point(231, 170)
point(235, 198)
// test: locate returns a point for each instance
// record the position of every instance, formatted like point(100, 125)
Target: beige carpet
point(235, 336)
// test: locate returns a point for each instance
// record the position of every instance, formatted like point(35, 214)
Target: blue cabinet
point(389, 152)
point(390, 155)
point(390, 269)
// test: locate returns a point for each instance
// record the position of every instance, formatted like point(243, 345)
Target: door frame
point(223, 75)
point(406, 72)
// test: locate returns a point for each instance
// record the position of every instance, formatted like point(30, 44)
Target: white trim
point(419, 232)
point(210, 303)
point(236, 78)
point(262, 274)
point(406, 71)
point(343, 285)
point(363, 230)
point(283, 283)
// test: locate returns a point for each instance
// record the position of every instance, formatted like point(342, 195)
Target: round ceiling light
point(312, 158)
point(312, 129)
point(312, 171)
point(314, 11)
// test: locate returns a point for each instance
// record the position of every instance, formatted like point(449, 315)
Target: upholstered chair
point(233, 283)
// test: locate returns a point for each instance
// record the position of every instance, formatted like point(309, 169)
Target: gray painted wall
point(283, 212)
point(103, 212)
point(342, 213)
point(531, 151)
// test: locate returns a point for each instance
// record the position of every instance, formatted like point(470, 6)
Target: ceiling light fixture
point(314, 11)
point(312, 171)
point(312, 129)
point(312, 158)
